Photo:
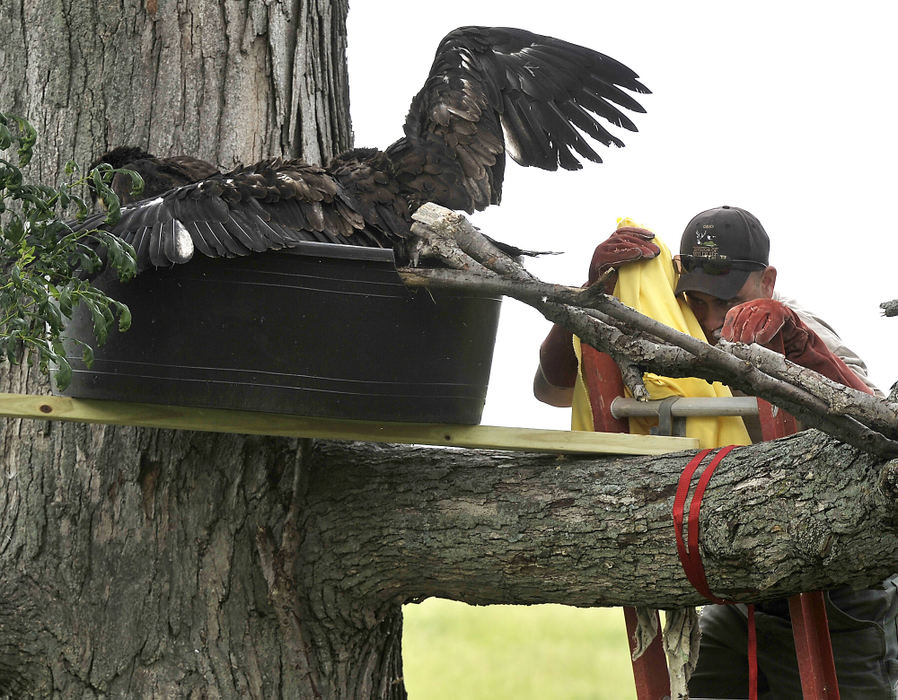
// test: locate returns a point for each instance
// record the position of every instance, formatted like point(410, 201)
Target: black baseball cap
point(719, 249)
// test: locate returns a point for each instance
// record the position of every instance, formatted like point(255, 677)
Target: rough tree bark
point(151, 563)
point(111, 584)
point(802, 513)
point(226, 80)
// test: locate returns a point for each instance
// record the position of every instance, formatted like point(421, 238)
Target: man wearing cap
point(728, 284)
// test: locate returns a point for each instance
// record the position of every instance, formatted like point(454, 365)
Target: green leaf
point(64, 298)
point(15, 229)
point(63, 376)
point(15, 350)
point(101, 328)
point(105, 193)
point(122, 256)
point(137, 183)
point(83, 209)
point(124, 317)
point(27, 139)
point(87, 356)
point(51, 315)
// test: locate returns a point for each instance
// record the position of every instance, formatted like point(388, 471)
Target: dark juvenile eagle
point(491, 91)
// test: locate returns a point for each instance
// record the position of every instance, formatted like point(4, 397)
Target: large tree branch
point(499, 528)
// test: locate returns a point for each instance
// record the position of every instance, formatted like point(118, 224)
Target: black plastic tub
point(319, 330)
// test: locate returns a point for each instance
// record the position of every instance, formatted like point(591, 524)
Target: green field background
point(550, 652)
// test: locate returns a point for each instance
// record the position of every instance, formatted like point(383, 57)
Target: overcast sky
point(788, 113)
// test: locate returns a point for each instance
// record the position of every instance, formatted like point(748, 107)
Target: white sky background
point(785, 109)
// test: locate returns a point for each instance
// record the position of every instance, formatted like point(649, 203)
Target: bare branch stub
point(457, 234)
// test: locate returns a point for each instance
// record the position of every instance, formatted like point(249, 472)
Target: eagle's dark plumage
point(159, 174)
point(490, 92)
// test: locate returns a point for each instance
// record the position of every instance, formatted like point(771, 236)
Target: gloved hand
point(627, 244)
point(777, 327)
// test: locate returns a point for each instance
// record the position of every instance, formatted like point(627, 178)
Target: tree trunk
point(154, 563)
point(150, 563)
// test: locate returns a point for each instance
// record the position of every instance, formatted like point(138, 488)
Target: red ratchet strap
point(690, 557)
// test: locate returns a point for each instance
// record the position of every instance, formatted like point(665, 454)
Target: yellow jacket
point(648, 286)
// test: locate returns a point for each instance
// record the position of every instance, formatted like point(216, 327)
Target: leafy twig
point(45, 262)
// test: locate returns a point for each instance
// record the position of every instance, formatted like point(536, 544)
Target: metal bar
point(687, 406)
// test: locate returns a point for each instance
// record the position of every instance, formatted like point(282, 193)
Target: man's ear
point(768, 281)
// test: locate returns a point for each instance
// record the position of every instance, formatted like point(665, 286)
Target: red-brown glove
point(777, 327)
point(625, 245)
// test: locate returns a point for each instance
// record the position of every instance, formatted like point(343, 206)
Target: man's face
point(710, 311)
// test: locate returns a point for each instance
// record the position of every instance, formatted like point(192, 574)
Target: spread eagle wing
point(493, 90)
point(267, 206)
point(490, 91)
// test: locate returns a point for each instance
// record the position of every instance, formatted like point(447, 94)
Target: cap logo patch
point(706, 243)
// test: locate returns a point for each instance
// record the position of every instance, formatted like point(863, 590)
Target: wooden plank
point(255, 423)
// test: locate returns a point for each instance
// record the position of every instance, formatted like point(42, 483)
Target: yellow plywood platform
point(249, 422)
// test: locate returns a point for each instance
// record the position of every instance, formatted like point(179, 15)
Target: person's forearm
point(557, 358)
